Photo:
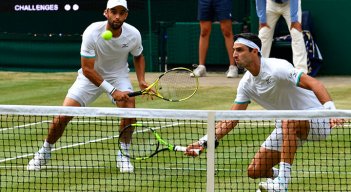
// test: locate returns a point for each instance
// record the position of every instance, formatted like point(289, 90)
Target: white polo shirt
point(276, 87)
point(111, 56)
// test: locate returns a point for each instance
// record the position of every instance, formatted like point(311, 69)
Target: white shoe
point(200, 71)
point(124, 164)
point(39, 161)
point(232, 72)
point(273, 185)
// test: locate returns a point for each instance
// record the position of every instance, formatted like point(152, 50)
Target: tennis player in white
point(276, 85)
point(104, 69)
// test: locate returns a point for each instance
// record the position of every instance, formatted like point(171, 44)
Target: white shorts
point(85, 92)
point(319, 130)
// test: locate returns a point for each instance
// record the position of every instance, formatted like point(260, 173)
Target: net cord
point(171, 113)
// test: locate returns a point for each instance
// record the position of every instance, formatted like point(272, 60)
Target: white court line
point(73, 121)
point(81, 143)
point(49, 121)
point(78, 144)
point(22, 126)
point(63, 147)
point(175, 168)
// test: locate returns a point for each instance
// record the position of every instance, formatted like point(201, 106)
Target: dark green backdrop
point(20, 48)
point(331, 26)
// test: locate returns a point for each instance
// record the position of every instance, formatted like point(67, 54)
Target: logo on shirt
point(293, 73)
point(268, 80)
point(124, 45)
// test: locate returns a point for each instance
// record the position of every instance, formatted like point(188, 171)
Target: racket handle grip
point(179, 148)
point(136, 93)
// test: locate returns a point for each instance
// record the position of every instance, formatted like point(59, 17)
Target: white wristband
point(107, 87)
point(203, 140)
point(329, 105)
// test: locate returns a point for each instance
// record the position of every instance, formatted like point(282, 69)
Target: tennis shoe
point(39, 161)
point(124, 164)
point(200, 71)
point(232, 72)
point(273, 185)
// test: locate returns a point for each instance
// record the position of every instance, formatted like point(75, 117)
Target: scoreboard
point(49, 16)
point(50, 5)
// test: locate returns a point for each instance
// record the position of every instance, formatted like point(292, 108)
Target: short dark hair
point(249, 36)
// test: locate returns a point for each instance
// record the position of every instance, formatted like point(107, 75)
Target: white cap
point(114, 3)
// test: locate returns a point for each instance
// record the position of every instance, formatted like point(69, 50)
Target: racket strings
point(177, 85)
point(143, 143)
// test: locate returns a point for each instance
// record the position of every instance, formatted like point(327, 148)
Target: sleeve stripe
point(298, 79)
point(87, 56)
point(244, 102)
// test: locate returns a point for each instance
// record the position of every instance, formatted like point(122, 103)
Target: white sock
point(46, 147)
point(284, 171)
point(275, 172)
point(125, 146)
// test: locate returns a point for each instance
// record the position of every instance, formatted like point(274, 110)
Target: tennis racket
point(174, 85)
point(145, 142)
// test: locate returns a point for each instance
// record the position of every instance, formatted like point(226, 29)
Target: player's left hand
point(336, 122)
point(143, 85)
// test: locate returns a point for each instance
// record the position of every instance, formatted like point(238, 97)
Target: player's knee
point(226, 32)
point(296, 35)
point(61, 121)
point(205, 32)
point(265, 34)
point(253, 172)
point(130, 103)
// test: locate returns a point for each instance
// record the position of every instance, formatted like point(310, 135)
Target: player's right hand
point(193, 150)
point(120, 95)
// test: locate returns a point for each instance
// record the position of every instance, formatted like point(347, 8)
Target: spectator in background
point(268, 12)
point(208, 12)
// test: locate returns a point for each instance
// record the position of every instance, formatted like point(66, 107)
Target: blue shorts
point(214, 10)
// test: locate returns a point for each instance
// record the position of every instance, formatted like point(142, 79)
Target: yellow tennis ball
point(107, 35)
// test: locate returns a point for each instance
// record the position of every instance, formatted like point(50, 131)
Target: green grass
point(90, 166)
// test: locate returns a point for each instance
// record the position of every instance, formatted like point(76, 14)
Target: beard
point(115, 25)
point(239, 64)
point(241, 67)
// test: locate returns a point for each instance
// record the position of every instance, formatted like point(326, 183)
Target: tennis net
point(84, 159)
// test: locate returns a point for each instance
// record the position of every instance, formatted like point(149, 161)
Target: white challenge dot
point(67, 7)
point(75, 7)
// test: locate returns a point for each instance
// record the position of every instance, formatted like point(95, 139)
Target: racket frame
point(160, 141)
point(149, 91)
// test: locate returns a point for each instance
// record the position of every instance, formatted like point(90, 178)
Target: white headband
point(248, 43)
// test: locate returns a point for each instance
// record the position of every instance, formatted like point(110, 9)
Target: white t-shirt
point(276, 87)
point(111, 56)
